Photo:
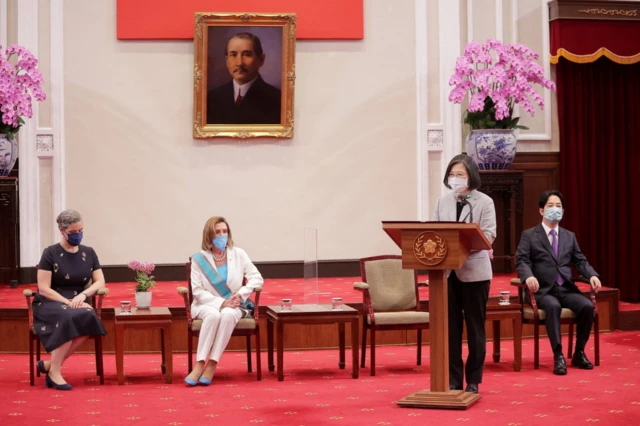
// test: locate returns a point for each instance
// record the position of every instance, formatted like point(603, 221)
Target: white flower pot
point(143, 299)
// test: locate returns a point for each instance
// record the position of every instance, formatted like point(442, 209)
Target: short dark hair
point(545, 197)
point(472, 170)
point(255, 40)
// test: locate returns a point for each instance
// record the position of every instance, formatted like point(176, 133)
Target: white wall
point(373, 126)
point(146, 187)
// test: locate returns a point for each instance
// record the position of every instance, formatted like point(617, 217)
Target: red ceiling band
point(174, 19)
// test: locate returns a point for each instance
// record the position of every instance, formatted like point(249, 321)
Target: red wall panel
point(174, 19)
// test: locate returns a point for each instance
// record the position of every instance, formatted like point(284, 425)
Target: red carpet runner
point(316, 392)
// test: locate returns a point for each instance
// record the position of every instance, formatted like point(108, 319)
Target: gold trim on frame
point(585, 59)
point(202, 130)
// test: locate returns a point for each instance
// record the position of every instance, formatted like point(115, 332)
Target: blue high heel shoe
point(190, 382)
point(49, 383)
point(204, 381)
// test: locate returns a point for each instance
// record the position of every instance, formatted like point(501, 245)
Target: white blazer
point(239, 266)
point(477, 267)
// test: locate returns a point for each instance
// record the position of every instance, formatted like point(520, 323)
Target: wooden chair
point(532, 315)
point(34, 340)
point(246, 326)
point(390, 300)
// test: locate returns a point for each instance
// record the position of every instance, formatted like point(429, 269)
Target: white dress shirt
point(547, 230)
point(242, 90)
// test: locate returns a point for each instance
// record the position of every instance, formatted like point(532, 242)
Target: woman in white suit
point(219, 298)
point(468, 287)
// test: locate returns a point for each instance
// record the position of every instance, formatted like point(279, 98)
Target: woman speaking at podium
point(468, 287)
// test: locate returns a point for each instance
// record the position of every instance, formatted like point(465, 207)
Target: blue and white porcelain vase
point(492, 149)
point(8, 154)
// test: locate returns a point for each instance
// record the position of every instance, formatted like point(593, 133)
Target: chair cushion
point(393, 318)
point(564, 314)
point(243, 324)
point(391, 287)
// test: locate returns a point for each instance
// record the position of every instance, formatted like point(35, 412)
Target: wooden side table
point(513, 312)
point(312, 314)
point(144, 319)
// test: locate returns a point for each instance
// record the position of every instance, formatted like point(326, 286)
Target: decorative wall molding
point(29, 171)
point(58, 196)
point(4, 10)
point(435, 140)
point(44, 145)
point(544, 23)
point(422, 108)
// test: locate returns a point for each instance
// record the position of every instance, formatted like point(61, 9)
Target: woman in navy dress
point(62, 317)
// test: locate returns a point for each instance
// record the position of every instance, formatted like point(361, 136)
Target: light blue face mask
point(220, 242)
point(553, 214)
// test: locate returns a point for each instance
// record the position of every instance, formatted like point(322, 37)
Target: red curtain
point(599, 114)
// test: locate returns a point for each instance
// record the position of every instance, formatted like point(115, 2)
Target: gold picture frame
point(226, 63)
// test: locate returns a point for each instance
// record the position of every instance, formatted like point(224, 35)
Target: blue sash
point(216, 281)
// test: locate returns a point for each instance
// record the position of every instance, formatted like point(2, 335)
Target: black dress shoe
point(49, 383)
point(559, 365)
point(580, 360)
point(41, 368)
point(455, 387)
point(471, 387)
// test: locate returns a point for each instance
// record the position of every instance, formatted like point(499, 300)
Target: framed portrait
point(244, 75)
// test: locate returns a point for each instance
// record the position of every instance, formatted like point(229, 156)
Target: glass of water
point(125, 307)
point(336, 303)
point(285, 304)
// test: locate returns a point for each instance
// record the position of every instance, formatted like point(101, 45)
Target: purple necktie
point(554, 246)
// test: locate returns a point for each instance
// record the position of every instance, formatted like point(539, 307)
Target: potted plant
point(145, 282)
point(19, 84)
point(496, 76)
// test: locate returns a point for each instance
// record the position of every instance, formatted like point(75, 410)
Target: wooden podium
point(437, 246)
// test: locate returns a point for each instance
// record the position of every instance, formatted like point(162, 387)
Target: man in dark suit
point(247, 98)
point(543, 260)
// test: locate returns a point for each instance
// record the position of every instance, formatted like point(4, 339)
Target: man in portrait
point(247, 98)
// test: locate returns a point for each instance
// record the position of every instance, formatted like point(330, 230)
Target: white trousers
point(216, 330)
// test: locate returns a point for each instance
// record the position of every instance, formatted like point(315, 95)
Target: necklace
point(220, 259)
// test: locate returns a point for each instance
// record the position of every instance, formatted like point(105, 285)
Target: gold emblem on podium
point(430, 248)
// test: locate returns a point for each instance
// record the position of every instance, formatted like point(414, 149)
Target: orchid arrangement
point(497, 76)
point(18, 84)
point(143, 274)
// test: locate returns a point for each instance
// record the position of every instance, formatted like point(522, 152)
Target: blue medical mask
point(553, 214)
point(74, 239)
point(220, 242)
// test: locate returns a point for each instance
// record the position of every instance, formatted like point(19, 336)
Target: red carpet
point(164, 294)
point(316, 392)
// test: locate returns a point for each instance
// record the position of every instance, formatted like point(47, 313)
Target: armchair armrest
point(184, 291)
point(360, 286)
point(100, 294)
point(28, 294)
point(517, 283)
point(592, 292)
point(524, 287)
point(256, 316)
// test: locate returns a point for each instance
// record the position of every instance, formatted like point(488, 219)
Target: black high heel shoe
point(49, 383)
point(41, 368)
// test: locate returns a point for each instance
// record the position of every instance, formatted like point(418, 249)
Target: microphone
point(462, 199)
